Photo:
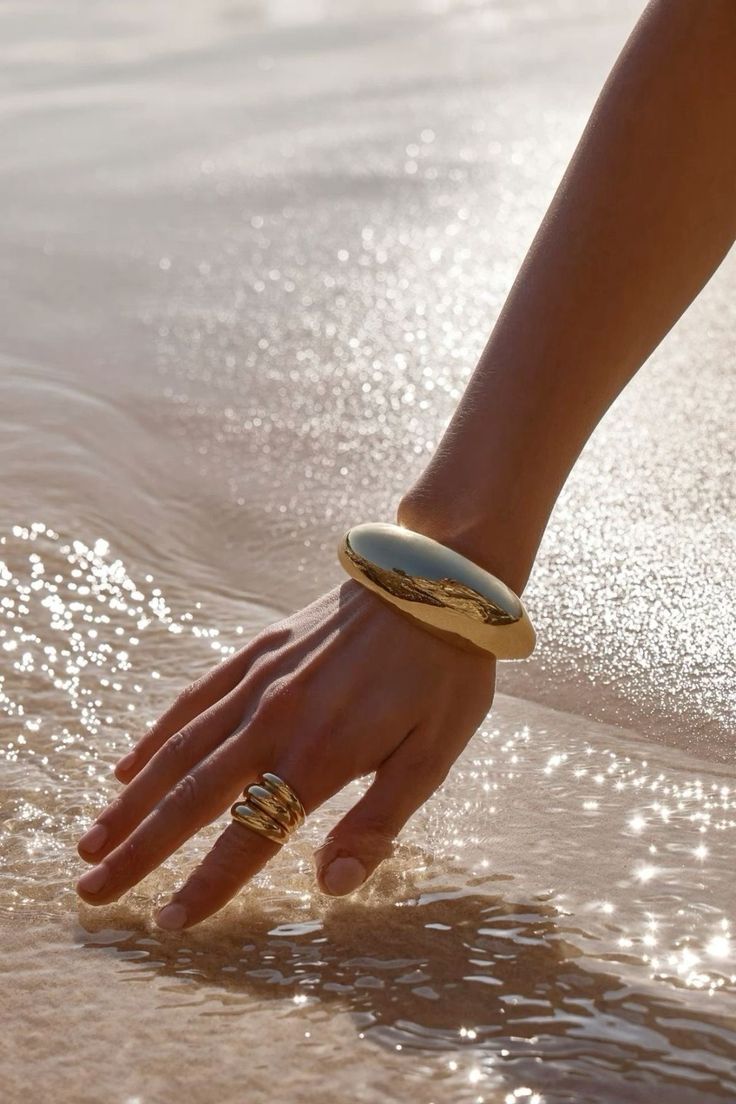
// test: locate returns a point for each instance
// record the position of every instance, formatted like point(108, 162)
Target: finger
point(203, 693)
point(204, 792)
point(178, 755)
point(237, 855)
point(196, 799)
point(193, 700)
point(366, 834)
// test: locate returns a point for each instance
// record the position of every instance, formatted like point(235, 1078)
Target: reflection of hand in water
point(446, 959)
point(496, 983)
point(343, 688)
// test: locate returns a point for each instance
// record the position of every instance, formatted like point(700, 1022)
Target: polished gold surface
point(271, 803)
point(269, 807)
point(452, 596)
point(258, 821)
point(283, 792)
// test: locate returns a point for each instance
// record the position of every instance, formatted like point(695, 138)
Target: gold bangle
point(449, 594)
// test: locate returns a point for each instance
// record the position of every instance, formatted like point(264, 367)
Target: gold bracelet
point(449, 594)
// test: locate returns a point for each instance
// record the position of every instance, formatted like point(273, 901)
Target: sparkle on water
point(457, 949)
point(255, 253)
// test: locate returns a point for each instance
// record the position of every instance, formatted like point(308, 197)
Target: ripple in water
point(556, 924)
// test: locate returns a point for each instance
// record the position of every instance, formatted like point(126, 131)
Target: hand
point(342, 688)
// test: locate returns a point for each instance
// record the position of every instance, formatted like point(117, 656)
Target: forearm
point(643, 216)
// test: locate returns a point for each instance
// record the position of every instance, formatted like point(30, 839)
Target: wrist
point(495, 542)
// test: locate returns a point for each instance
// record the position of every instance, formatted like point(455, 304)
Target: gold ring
point(269, 807)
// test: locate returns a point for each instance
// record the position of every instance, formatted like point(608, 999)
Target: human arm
point(644, 214)
point(347, 688)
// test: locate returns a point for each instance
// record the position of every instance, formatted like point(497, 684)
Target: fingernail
point(126, 762)
point(93, 839)
point(343, 876)
point(172, 917)
point(94, 879)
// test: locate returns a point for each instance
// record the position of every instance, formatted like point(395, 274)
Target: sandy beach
point(250, 255)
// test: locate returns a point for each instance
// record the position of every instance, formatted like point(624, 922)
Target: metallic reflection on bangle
point(433, 584)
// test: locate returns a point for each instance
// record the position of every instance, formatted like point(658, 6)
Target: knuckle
point(176, 744)
point(186, 697)
point(260, 651)
point(281, 698)
point(267, 638)
point(259, 664)
point(184, 795)
point(253, 653)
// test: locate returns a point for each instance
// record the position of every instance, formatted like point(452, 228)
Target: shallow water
point(250, 254)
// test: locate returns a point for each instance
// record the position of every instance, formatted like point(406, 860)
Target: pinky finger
point(366, 834)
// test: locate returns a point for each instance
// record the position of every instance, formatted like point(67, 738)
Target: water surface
point(250, 255)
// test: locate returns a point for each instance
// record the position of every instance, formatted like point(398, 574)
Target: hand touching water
point(345, 687)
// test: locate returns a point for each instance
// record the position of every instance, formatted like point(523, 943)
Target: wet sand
point(250, 255)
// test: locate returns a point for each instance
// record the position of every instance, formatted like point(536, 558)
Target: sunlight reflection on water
point(251, 256)
point(566, 897)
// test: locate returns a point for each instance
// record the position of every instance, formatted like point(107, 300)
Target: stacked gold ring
point(269, 807)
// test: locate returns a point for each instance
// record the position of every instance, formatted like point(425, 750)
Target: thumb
point(365, 836)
